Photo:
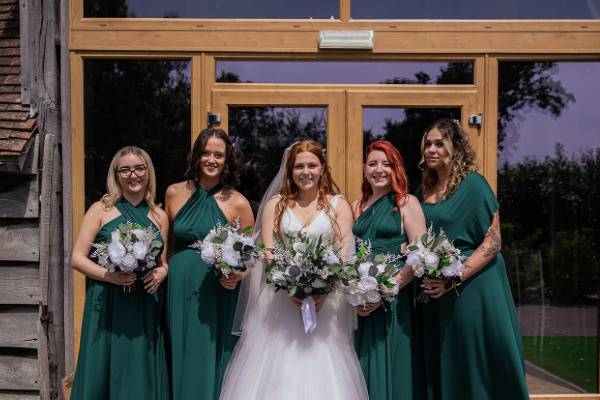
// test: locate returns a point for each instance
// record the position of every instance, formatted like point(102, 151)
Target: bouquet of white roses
point(132, 247)
point(304, 267)
point(434, 256)
point(230, 249)
point(367, 279)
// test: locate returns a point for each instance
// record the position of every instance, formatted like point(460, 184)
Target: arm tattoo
point(492, 237)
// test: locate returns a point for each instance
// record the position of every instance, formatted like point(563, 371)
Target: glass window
point(548, 174)
point(389, 72)
point(319, 9)
point(145, 103)
point(471, 9)
point(403, 127)
point(263, 133)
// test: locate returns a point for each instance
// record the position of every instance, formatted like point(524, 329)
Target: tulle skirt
point(275, 358)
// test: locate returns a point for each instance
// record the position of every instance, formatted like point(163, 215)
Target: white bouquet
point(230, 249)
point(304, 267)
point(132, 248)
point(434, 256)
point(367, 279)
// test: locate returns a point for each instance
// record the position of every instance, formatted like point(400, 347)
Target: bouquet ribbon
point(309, 314)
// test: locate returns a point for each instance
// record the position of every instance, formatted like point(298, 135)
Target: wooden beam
point(19, 327)
point(18, 372)
point(19, 241)
point(19, 284)
point(21, 201)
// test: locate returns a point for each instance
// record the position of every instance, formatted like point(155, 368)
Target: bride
point(275, 358)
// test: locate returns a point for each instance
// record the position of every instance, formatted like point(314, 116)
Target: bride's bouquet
point(132, 248)
point(434, 256)
point(304, 267)
point(368, 279)
point(229, 248)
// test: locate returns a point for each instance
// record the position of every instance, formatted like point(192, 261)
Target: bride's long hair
point(289, 190)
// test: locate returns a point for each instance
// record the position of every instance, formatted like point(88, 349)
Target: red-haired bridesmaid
point(389, 218)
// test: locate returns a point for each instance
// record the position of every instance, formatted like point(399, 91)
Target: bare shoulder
point(411, 202)
point(235, 198)
point(97, 210)
point(176, 189)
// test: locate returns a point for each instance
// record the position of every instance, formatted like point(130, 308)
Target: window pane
point(389, 72)
point(471, 9)
point(320, 9)
point(548, 174)
point(263, 133)
point(141, 103)
point(404, 127)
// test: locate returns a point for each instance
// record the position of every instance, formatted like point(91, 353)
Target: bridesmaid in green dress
point(122, 350)
point(472, 340)
point(386, 216)
point(201, 306)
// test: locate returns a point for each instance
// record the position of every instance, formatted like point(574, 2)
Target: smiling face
point(378, 170)
point(307, 171)
point(435, 151)
point(212, 159)
point(132, 174)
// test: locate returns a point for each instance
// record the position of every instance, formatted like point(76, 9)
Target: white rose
point(419, 270)
point(300, 247)
point(414, 258)
point(140, 234)
point(298, 259)
point(277, 276)
point(331, 258)
point(367, 283)
point(373, 296)
point(356, 299)
point(381, 268)
point(231, 256)
point(129, 263)
point(208, 254)
point(363, 268)
point(115, 235)
point(116, 252)
point(431, 260)
point(139, 250)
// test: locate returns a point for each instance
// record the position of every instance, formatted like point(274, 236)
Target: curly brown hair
point(232, 169)
point(460, 162)
point(289, 190)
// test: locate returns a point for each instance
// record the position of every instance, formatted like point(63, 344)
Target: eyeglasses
point(139, 170)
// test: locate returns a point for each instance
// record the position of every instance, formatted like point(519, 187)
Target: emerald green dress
point(199, 310)
point(122, 348)
point(383, 340)
point(472, 342)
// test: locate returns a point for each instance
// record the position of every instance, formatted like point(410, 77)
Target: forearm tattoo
point(492, 241)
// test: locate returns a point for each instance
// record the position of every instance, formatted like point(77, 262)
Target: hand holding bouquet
point(229, 248)
point(132, 248)
point(304, 267)
point(367, 279)
point(434, 256)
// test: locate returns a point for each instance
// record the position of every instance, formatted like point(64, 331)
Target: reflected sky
point(335, 72)
point(578, 127)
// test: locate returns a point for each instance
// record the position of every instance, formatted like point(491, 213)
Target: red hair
point(399, 178)
point(289, 190)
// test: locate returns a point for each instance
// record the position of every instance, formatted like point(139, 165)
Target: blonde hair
point(461, 159)
point(113, 187)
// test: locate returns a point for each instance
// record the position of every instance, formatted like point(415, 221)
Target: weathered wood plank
point(19, 327)
point(19, 284)
point(22, 201)
point(18, 372)
point(19, 241)
point(18, 395)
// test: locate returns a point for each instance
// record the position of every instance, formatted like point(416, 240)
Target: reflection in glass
point(145, 103)
point(319, 9)
point(404, 127)
point(263, 133)
point(471, 9)
point(548, 174)
point(389, 72)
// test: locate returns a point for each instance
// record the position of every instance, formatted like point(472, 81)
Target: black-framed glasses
point(138, 170)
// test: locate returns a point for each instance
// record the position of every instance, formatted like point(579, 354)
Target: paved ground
point(539, 320)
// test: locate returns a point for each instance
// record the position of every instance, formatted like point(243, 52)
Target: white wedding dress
point(275, 360)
